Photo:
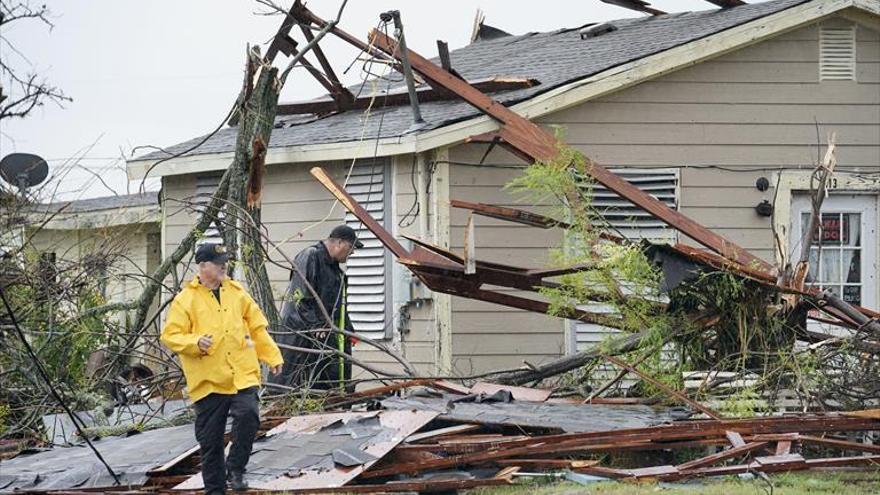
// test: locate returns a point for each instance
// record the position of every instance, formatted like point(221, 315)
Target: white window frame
point(792, 182)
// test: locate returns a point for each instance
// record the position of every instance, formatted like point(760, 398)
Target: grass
point(814, 483)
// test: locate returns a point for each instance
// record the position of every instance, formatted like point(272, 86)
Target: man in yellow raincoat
point(220, 334)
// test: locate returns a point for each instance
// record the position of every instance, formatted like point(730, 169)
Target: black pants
point(211, 414)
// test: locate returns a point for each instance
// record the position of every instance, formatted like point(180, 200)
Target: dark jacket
point(301, 315)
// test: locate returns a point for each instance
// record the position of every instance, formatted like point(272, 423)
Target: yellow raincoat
point(240, 339)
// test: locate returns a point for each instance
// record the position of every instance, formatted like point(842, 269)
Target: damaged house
point(721, 114)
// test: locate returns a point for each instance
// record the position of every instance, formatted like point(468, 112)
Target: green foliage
point(295, 405)
point(49, 303)
point(750, 334)
point(4, 414)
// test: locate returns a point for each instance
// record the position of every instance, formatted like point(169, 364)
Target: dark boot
point(236, 481)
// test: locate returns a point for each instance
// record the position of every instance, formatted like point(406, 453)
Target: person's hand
point(276, 370)
point(205, 342)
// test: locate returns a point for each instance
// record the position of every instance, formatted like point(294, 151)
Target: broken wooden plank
point(635, 5)
point(450, 430)
point(735, 438)
point(726, 4)
point(399, 96)
point(653, 471)
point(722, 456)
point(519, 393)
point(841, 444)
point(548, 463)
point(653, 381)
point(470, 247)
point(541, 145)
point(509, 214)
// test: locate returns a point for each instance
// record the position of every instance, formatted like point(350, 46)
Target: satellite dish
point(23, 170)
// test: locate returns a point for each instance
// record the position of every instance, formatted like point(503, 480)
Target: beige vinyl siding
point(294, 204)
point(126, 276)
point(488, 336)
point(754, 108)
point(419, 341)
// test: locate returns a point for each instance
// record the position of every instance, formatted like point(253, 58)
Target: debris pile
point(440, 436)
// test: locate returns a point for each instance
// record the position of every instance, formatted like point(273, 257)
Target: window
point(836, 254)
point(843, 255)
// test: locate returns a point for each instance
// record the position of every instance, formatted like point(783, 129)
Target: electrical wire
point(45, 376)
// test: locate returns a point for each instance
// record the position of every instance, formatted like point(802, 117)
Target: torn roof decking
point(131, 457)
point(572, 418)
point(554, 58)
point(324, 450)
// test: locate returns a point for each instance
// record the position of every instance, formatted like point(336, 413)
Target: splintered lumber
point(548, 463)
point(440, 432)
point(841, 444)
point(606, 440)
point(867, 413)
point(722, 456)
point(657, 383)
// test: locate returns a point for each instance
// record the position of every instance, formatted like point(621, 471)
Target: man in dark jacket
point(305, 325)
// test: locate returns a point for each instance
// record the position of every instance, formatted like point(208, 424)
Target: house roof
point(149, 198)
point(555, 59)
point(94, 213)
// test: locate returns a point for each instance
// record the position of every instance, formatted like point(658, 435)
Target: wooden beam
point(538, 143)
point(470, 247)
point(726, 4)
point(399, 96)
point(341, 95)
point(636, 5)
point(653, 381)
point(724, 455)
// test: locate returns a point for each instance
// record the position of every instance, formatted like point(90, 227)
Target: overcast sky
point(159, 72)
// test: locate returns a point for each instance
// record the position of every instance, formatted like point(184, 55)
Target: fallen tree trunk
point(243, 237)
point(619, 345)
point(145, 300)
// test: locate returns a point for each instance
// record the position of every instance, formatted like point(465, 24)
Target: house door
point(843, 255)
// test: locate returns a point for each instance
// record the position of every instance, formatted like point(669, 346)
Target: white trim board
point(566, 96)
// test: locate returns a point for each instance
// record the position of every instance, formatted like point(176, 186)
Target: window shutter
point(630, 220)
point(633, 223)
point(837, 53)
point(368, 268)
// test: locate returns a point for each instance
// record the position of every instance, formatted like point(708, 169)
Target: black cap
point(212, 252)
point(346, 233)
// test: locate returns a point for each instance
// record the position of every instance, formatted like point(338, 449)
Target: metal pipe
point(407, 69)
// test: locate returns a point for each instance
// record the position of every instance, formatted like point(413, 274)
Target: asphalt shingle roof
point(554, 58)
point(104, 203)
